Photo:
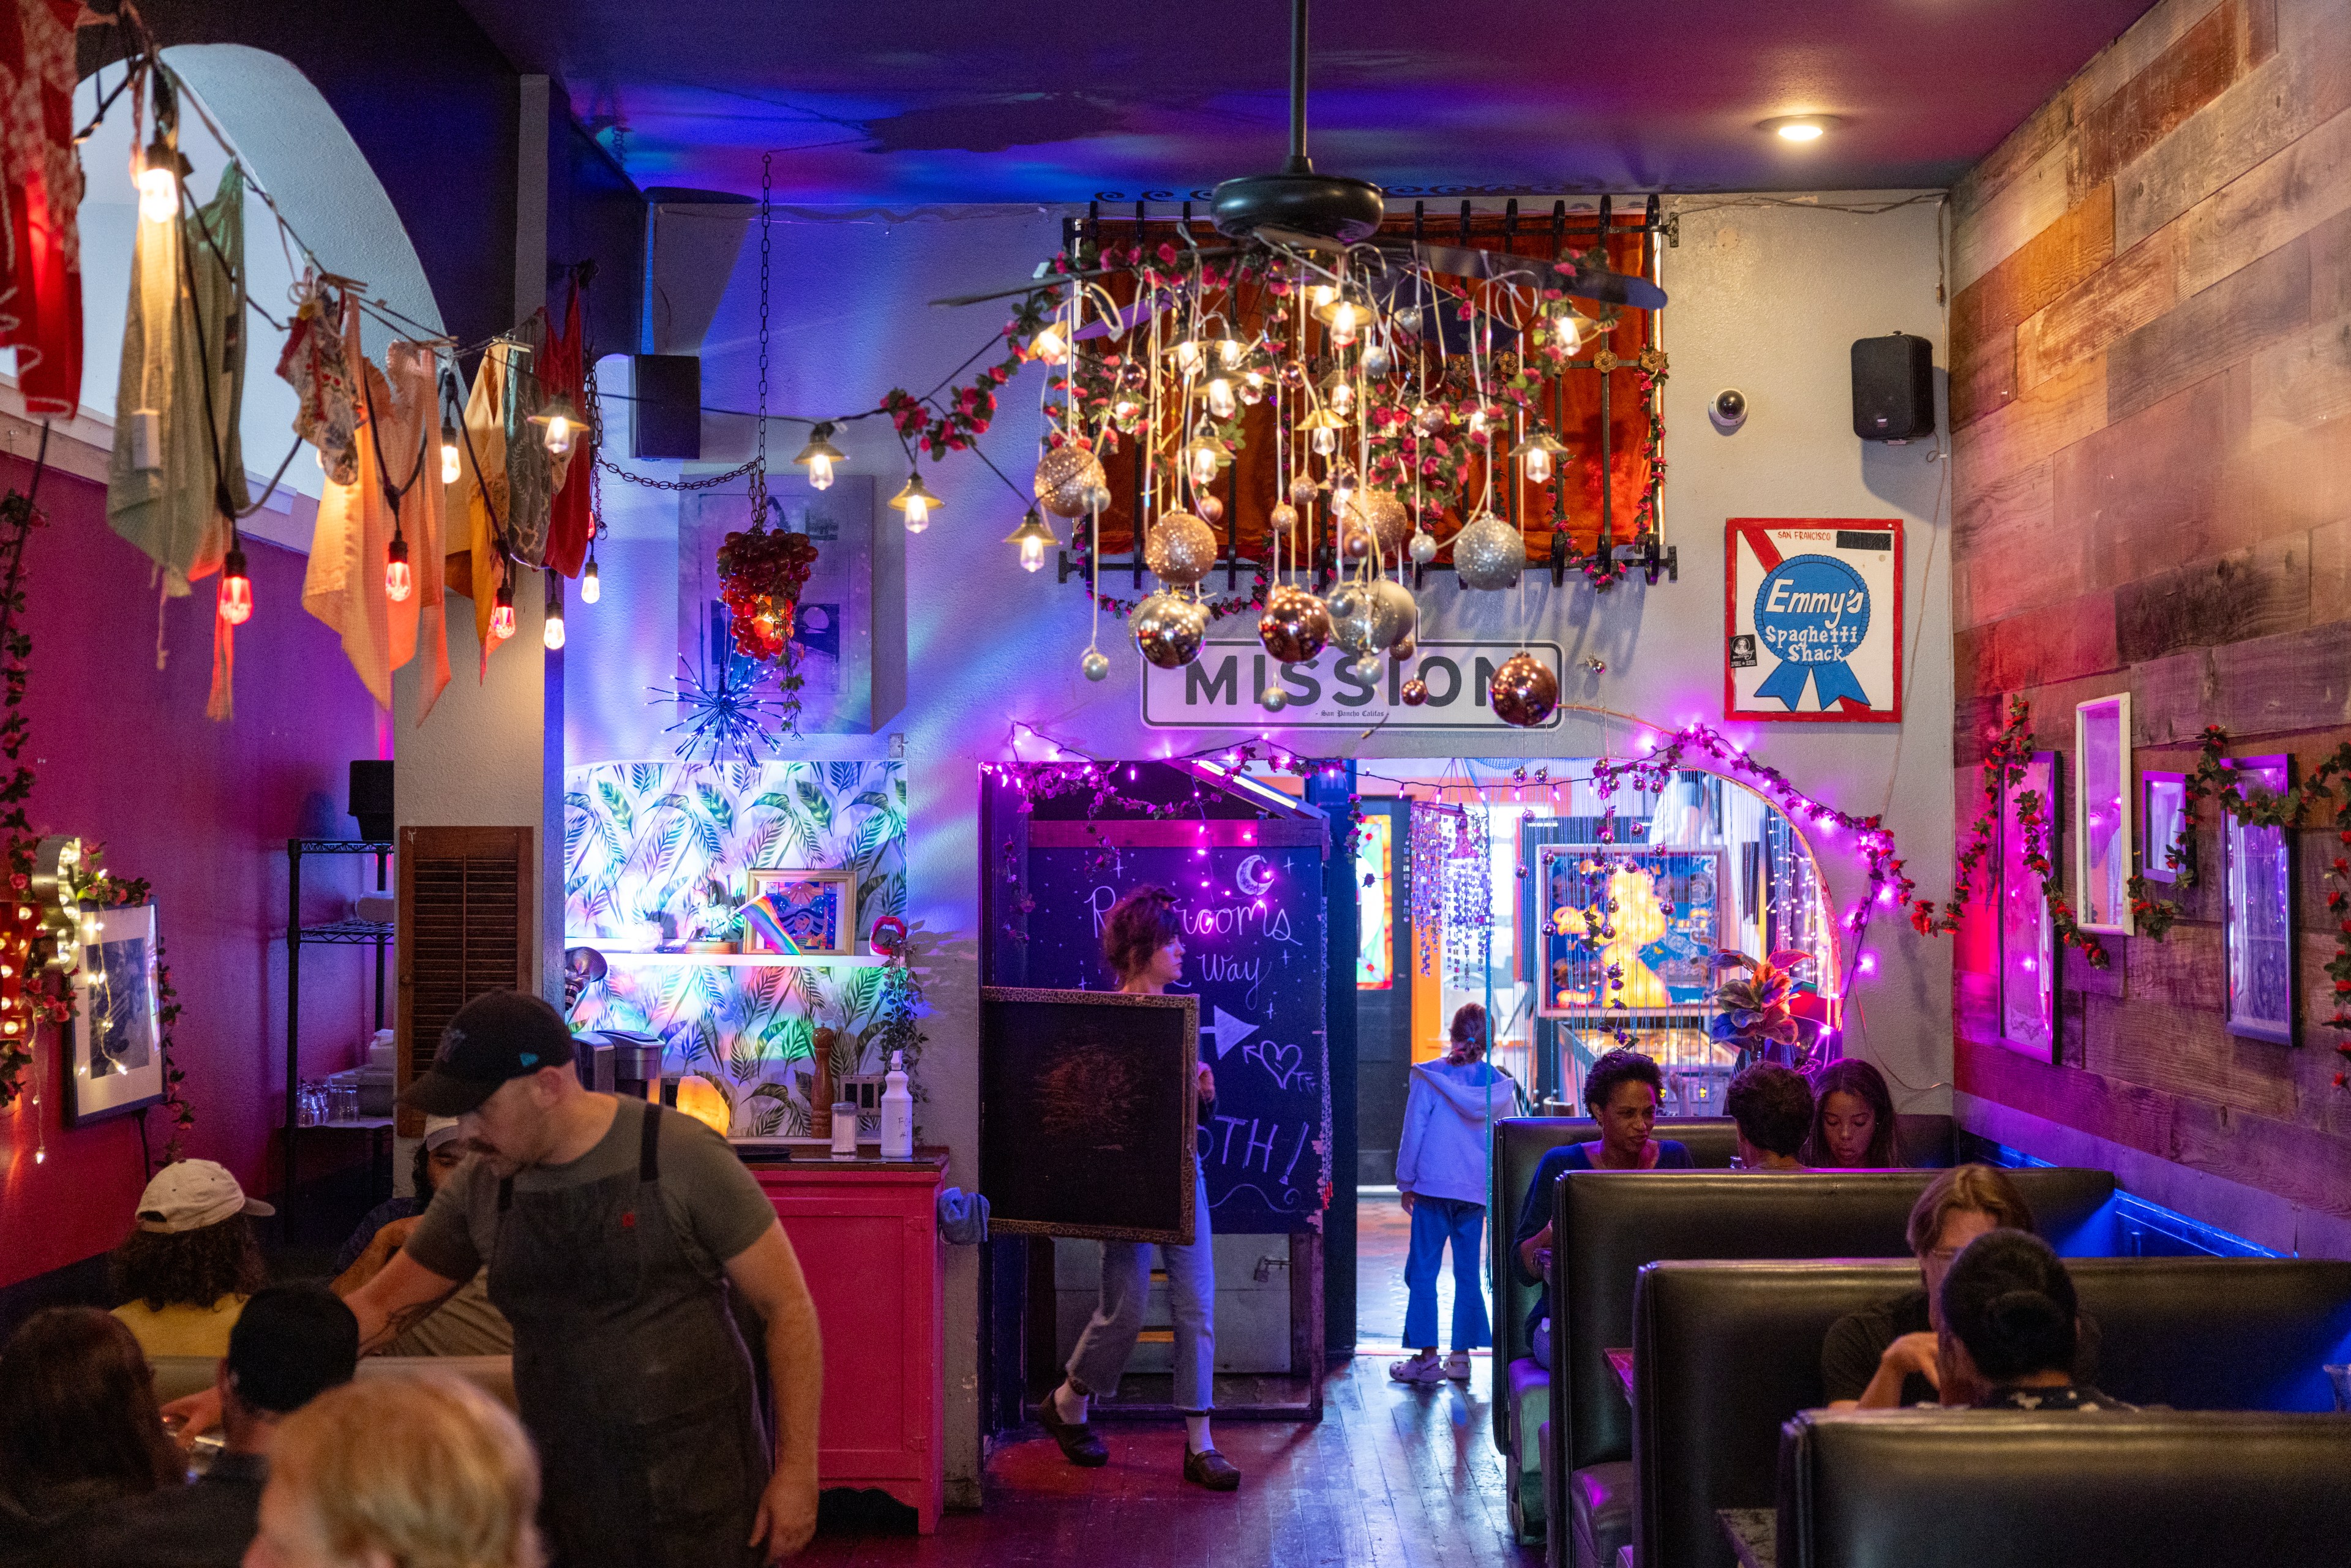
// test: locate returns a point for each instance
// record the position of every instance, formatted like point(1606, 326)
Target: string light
point(160, 173)
point(551, 629)
point(502, 614)
point(819, 454)
point(559, 421)
point(1049, 346)
point(398, 584)
point(590, 589)
point(1537, 453)
point(451, 469)
point(1034, 538)
point(916, 502)
point(235, 590)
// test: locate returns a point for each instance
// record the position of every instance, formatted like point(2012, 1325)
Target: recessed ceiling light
point(1800, 127)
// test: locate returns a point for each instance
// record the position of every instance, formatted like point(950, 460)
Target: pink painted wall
point(123, 754)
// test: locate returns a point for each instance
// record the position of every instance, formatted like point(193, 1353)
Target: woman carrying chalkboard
point(1143, 940)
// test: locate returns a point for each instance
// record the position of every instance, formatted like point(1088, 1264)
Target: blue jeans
point(1435, 1222)
point(1102, 1349)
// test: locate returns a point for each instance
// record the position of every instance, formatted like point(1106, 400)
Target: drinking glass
point(2339, 1375)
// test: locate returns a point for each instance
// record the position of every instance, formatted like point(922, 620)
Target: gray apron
point(631, 1375)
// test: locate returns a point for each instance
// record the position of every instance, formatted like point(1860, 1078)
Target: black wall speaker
point(371, 800)
point(666, 419)
point(1892, 388)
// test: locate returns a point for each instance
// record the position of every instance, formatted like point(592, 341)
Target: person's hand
point(1914, 1352)
point(1534, 1253)
point(200, 1412)
point(787, 1516)
point(392, 1236)
point(1207, 1084)
point(1404, 1198)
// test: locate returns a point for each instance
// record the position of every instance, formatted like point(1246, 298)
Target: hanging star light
point(722, 716)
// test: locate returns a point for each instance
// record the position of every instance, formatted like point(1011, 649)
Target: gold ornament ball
point(1415, 692)
point(1383, 515)
point(1525, 692)
point(1096, 664)
point(1211, 509)
point(1404, 648)
point(1295, 626)
point(1065, 475)
point(1399, 616)
point(1488, 553)
point(1301, 493)
point(1273, 699)
point(1167, 629)
point(1180, 549)
point(1282, 518)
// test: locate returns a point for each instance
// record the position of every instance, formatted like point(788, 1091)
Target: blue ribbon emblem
point(1813, 610)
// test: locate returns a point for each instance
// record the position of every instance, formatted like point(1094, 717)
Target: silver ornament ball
point(1424, 547)
point(1096, 664)
point(1488, 553)
point(1168, 629)
point(1273, 699)
point(1397, 615)
point(1356, 619)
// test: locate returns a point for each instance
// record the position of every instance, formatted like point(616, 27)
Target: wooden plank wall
point(2150, 375)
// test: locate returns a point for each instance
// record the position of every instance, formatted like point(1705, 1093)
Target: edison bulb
point(590, 590)
point(1478, 421)
point(1204, 465)
point(1048, 345)
point(1222, 402)
point(820, 472)
point(1538, 466)
point(559, 431)
point(1253, 388)
point(918, 513)
point(450, 469)
point(236, 599)
point(551, 633)
point(397, 583)
point(1188, 355)
point(1325, 441)
point(1033, 554)
point(502, 621)
point(1342, 397)
point(159, 195)
point(1321, 294)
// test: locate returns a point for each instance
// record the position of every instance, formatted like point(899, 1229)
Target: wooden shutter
point(465, 927)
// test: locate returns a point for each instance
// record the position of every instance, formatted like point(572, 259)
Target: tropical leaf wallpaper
point(639, 840)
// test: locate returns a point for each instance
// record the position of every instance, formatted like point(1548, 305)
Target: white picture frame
point(2104, 802)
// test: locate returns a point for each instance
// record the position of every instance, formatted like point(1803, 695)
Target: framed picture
point(2163, 826)
point(1812, 618)
point(114, 1062)
point(1651, 913)
point(2102, 814)
point(2028, 947)
point(2258, 925)
point(814, 911)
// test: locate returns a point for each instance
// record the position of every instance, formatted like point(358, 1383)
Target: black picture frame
point(2261, 964)
point(1089, 1114)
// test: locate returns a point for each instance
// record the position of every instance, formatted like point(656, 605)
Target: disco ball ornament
point(1295, 626)
point(1282, 518)
point(1096, 664)
point(1488, 553)
point(1273, 699)
point(1065, 477)
point(1424, 547)
point(1168, 629)
point(1376, 361)
point(1415, 692)
point(1356, 619)
point(1525, 692)
point(1399, 615)
point(1180, 549)
point(1301, 492)
point(1374, 517)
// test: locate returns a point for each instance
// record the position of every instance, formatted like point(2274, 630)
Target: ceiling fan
point(1300, 209)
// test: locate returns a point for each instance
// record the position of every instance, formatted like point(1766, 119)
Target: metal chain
point(759, 462)
point(711, 483)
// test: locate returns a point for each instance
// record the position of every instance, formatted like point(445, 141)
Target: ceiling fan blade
point(1613, 288)
point(1296, 239)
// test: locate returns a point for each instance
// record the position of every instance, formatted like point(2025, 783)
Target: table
point(1621, 1361)
point(1753, 1533)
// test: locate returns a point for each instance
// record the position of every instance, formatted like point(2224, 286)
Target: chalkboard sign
point(1086, 1113)
point(1249, 892)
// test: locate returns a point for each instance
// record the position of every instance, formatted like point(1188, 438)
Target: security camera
point(1728, 410)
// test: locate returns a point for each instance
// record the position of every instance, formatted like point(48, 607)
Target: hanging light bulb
point(1188, 356)
point(1321, 428)
point(235, 590)
point(1342, 490)
point(160, 173)
point(1341, 392)
point(590, 590)
point(1478, 420)
point(559, 423)
point(1253, 388)
point(1346, 316)
point(450, 466)
point(1541, 453)
point(820, 454)
point(1231, 352)
point(1223, 402)
point(917, 502)
point(1034, 538)
point(398, 583)
point(550, 631)
point(1321, 294)
point(502, 614)
point(1049, 346)
point(1204, 457)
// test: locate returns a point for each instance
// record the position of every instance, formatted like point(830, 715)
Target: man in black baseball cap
point(290, 1344)
point(613, 1231)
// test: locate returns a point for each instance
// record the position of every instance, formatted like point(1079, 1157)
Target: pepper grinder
point(819, 1094)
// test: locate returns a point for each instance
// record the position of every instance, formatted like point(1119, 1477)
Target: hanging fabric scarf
point(533, 474)
point(40, 185)
point(474, 570)
point(571, 522)
point(326, 413)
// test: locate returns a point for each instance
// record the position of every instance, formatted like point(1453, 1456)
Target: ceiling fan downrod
point(1332, 206)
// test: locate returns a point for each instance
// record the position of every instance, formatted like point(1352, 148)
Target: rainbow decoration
point(766, 916)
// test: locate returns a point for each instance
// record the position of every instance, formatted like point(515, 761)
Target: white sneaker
point(1421, 1369)
point(1457, 1366)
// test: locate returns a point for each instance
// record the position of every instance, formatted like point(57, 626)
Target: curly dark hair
point(1851, 1075)
point(78, 1406)
point(189, 1268)
point(1616, 1069)
point(2010, 1301)
point(1773, 1107)
point(1138, 926)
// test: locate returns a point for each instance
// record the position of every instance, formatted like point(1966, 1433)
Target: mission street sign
point(1219, 689)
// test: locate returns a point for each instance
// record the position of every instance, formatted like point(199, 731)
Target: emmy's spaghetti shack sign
point(1220, 689)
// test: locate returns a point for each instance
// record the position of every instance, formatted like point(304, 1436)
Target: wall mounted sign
point(1627, 930)
point(1219, 689)
point(1812, 616)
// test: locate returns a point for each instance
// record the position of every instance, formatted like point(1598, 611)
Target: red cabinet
point(866, 1233)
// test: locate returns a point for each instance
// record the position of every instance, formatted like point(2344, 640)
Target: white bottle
point(897, 1111)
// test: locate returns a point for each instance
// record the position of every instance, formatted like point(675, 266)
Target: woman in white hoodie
point(1441, 1171)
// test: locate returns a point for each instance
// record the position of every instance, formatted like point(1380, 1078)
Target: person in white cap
point(467, 1324)
point(190, 1260)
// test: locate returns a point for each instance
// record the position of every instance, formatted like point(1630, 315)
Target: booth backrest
point(1607, 1224)
point(1982, 1488)
point(1726, 1351)
point(177, 1376)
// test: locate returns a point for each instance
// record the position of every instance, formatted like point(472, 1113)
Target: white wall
point(1766, 299)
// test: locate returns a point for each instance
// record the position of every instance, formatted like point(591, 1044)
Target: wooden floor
point(1394, 1475)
